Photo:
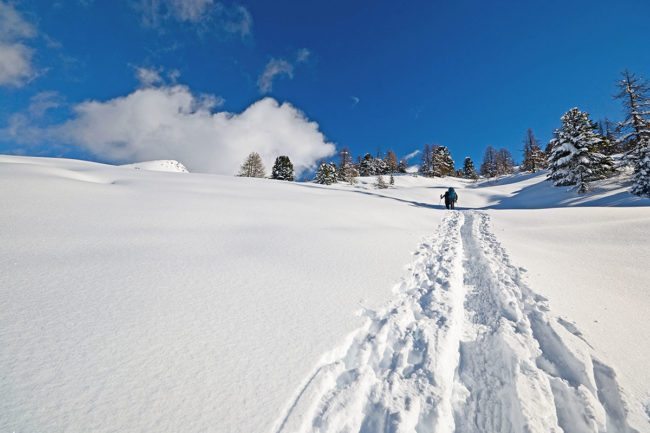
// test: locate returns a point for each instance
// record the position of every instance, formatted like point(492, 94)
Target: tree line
point(580, 152)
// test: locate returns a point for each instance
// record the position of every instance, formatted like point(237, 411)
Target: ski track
point(466, 347)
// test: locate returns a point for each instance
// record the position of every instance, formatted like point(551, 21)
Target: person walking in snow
point(450, 197)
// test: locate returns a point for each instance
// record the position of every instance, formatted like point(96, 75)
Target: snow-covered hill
point(160, 165)
point(142, 301)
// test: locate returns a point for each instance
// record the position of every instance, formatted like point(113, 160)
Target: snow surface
point(141, 301)
point(169, 165)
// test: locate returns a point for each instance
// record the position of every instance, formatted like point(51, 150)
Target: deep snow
point(143, 301)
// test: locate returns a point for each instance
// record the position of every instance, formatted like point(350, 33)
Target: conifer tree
point(367, 166)
point(426, 163)
point(401, 166)
point(380, 183)
point(391, 181)
point(442, 163)
point(469, 171)
point(635, 129)
point(534, 158)
point(641, 176)
point(391, 162)
point(282, 169)
point(572, 160)
point(489, 164)
point(635, 140)
point(326, 174)
point(346, 170)
point(252, 166)
point(504, 162)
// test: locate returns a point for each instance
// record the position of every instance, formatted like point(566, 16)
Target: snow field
point(466, 347)
point(140, 301)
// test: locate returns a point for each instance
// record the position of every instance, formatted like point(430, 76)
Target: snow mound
point(168, 165)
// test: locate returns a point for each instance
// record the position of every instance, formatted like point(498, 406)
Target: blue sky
point(373, 75)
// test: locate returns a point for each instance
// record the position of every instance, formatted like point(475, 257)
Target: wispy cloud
point(15, 57)
point(411, 155)
point(303, 55)
point(205, 14)
point(280, 67)
point(355, 100)
point(273, 69)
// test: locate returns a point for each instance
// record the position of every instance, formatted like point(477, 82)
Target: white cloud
point(233, 19)
point(148, 76)
point(355, 100)
point(15, 58)
point(273, 69)
point(172, 123)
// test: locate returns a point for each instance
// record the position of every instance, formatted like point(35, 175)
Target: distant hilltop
point(168, 165)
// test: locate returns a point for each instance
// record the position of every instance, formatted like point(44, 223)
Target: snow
point(168, 165)
point(133, 300)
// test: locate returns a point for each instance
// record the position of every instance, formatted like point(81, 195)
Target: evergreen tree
point(346, 170)
point(469, 172)
point(326, 174)
point(635, 140)
point(426, 166)
point(282, 169)
point(367, 166)
point(609, 143)
point(489, 164)
point(504, 162)
point(534, 158)
point(635, 129)
point(573, 160)
point(391, 181)
point(252, 166)
point(401, 166)
point(391, 162)
point(641, 177)
point(380, 183)
point(442, 163)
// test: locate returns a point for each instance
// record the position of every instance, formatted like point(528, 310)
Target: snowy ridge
point(466, 347)
point(167, 165)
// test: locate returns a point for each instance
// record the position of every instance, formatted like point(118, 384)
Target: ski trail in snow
point(466, 347)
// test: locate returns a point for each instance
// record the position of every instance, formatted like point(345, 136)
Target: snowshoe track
point(466, 347)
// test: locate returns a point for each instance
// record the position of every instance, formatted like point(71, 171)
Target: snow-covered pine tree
point(489, 164)
point(391, 162)
point(380, 182)
point(426, 164)
point(380, 166)
point(572, 160)
point(469, 171)
point(635, 128)
point(401, 166)
point(367, 166)
point(534, 158)
point(442, 163)
point(326, 174)
point(635, 138)
point(346, 170)
point(252, 166)
point(641, 177)
point(504, 162)
point(391, 180)
point(282, 169)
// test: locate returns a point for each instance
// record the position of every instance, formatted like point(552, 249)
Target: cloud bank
point(170, 122)
point(15, 57)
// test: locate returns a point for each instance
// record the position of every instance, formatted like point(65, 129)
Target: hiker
point(450, 197)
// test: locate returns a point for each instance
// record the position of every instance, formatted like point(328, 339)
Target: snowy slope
point(160, 165)
point(144, 301)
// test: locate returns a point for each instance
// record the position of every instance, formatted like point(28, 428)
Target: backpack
point(452, 195)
